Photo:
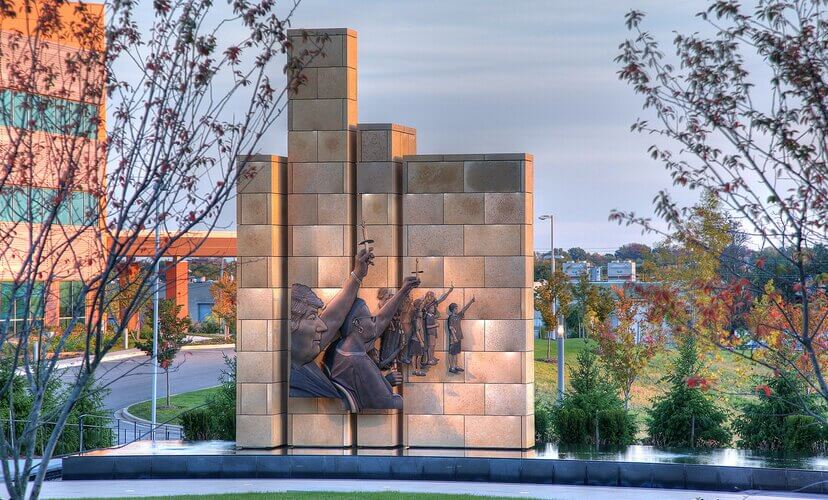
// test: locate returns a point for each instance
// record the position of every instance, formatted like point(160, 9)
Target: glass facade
point(72, 303)
point(47, 114)
point(19, 303)
point(35, 205)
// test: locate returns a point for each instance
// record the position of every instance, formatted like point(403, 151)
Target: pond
point(712, 456)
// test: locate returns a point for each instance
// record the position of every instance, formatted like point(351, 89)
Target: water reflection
point(716, 456)
point(634, 453)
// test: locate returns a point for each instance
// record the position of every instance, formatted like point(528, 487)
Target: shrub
point(196, 425)
point(762, 423)
point(592, 402)
point(544, 414)
point(686, 416)
point(802, 433)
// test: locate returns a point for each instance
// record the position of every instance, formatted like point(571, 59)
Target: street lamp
point(155, 311)
point(559, 333)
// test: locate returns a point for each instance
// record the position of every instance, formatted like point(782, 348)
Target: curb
point(132, 418)
point(204, 347)
point(133, 353)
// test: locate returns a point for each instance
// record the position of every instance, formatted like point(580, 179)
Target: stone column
point(380, 149)
point(262, 326)
point(322, 119)
point(177, 278)
point(468, 218)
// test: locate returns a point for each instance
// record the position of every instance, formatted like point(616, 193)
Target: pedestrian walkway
point(139, 488)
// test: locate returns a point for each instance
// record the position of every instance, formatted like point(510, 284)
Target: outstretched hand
point(364, 259)
point(409, 283)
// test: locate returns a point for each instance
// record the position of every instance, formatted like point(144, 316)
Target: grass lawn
point(180, 404)
point(730, 375)
point(324, 495)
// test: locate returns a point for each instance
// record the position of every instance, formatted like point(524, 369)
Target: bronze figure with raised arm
point(454, 332)
point(430, 315)
point(312, 331)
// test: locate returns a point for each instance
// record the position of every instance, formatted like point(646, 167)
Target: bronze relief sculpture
point(346, 332)
point(430, 315)
point(454, 332)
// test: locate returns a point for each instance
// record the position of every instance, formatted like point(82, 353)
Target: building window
point(72, 303)
point(26, 301)
point(48, 114)
point(21, 204)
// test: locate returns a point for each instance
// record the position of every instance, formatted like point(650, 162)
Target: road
point(129, 380)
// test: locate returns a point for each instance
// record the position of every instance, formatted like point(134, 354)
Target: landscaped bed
point(180, 403)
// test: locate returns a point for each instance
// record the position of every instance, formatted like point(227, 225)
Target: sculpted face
point(307, 335)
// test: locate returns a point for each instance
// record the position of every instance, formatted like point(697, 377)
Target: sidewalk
point(134, 353)
point(104, 489)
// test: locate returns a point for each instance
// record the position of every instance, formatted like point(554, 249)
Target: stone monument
point(328, 330)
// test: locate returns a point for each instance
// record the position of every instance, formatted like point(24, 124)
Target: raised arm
point(444, 296)
point(386, 314)
point(466, 307)
point(337, 309)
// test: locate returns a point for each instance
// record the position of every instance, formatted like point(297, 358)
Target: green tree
point(686, 416)
point(172, 334)
point(591, 411)
point(776, 419)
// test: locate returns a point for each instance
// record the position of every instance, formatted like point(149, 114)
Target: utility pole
point(559, 333)
point(155, 298)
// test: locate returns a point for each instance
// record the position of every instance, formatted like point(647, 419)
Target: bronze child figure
point(416, 340)
point(455, 334)
point(430, 315)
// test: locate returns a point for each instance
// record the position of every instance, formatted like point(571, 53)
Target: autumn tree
point(755, 138)
point(172, 335)
point(628, 341)
point(118, 122)
point(591, 305)
point(224, 301)
point(553, 298)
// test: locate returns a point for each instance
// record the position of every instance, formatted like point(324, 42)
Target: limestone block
point(424, 399)
point(436, 373)
point(502, 272)
point(474, 336)
point(334, 270)
point(386, 239)
point(318, 177)
point(528, 366)
point(435, 240)
point(260, 240)
point(444, 431)
point(317, 114)
point(318, 48)
point(494, 367)
point(254, 303)
point(306, 79)
point(302, 209)
point(252, 334)
point(464, 271)
point(528, 437)
point(422, 208)
point(495, 303)
point(277, 269)
point(260, 431)
point(254, 208)
point(318, 241)
point(403, 144)
point(509, 399)
point(463, 399)
point(253, 272)
point(377, 275)
point(334, 145)
point(255, 367)
point(280, 366)
point(464, 208)
point(434, 177)
point(508, 208)
point(493, 431)
point(527, 242)
point(379, 177)
point(281, 309)
point(278, 397)
point(396, 271)
point(373, 208)
point(262, 176)
point(509, 335)
point(254, 399)
point(492, 176)
point(337, 83)
point(529, 176)
point(375, 145)
point(278, 337)
point(492, 240)
point(303, 270)
point(351, 112)
point(320, 430)
point(378, 430)
point(303, 405)
point(302, 146)
point(432, 275)
point(335, 208)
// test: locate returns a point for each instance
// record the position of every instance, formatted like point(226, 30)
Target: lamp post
point(155, 298)
point(559, 331)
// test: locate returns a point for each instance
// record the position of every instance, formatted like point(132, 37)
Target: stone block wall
point(262, 318)
point(468, 220)
point(321, 222)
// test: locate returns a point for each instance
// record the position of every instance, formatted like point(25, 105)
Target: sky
point(490, 76)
